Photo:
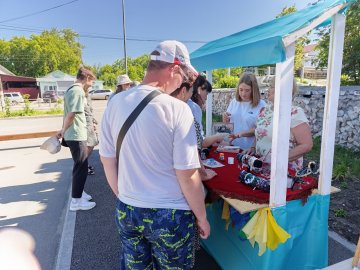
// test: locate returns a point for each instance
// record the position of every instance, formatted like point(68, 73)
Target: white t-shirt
point(160, 140)
point(197, 113)
point(244, 115)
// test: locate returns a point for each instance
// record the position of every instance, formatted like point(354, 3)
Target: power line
point(39, 12)
point(96, 36)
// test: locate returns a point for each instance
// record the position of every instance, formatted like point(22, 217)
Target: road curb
point(342, 241)
point(63, 259)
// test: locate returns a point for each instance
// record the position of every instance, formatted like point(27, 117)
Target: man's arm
point(111, 172)
point(191, 186)
point(68, 120)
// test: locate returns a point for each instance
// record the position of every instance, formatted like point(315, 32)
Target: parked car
point(14, 97)
point(50, 96)
point(101, 94)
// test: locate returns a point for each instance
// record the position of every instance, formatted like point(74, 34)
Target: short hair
point(250, 80)
point(83, 73)
point(157, 64)
point(295, 87)
point(200, 82)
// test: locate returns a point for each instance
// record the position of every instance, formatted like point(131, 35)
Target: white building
point(309, 70)
point(60, 82)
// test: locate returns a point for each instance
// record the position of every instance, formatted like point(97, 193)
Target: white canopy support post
point(331, 102)
point(281, 128)
point(209, 106)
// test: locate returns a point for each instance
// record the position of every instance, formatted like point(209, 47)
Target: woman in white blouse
point(243, 110)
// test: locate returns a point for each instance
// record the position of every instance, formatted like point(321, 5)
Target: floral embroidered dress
point(263, 133)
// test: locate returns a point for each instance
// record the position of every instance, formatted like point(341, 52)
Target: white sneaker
point(81, 204)
point(86, 196)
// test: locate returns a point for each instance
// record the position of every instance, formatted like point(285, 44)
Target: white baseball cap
point(52, 145)
point(123, 79)
point(172, 51)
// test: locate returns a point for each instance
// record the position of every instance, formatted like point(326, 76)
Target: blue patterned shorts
point(154, 238)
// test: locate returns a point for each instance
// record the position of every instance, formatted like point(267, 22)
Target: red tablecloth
point(226, 183)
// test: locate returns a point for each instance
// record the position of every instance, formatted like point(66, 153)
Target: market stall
point(286, 234)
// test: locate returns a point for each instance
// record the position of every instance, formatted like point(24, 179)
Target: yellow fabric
point(263, 229)
point(226, 214)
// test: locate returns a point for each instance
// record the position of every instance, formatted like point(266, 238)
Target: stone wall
point(311, 99)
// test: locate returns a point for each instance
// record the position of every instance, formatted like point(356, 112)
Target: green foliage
point(340, 212)
point(41, 54)
point(345, 80)
point(227, 82)
point(351, 54)
point(300, 43)
point(346, 162)
point(32, 112)
point(343, 185)
point(301, 80)
point(218, 76)
point(7, 107)
point(27, 109)
point(109, 73)
point(341, 171)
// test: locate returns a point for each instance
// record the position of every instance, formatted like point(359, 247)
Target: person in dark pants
point(74, 132)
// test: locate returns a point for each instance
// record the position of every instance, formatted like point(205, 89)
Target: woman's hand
point(235, 136)
point(226, 117)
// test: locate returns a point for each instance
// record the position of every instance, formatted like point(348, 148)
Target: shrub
point(345, 80)
point(227, 82)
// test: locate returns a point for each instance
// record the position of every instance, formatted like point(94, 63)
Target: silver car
point(101, 94)
point(14, 97)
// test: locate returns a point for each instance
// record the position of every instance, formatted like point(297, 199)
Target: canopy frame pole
point(281, 128)
point(336, 47)
point(209, 106)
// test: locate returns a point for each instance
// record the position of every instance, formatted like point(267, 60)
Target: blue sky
point(189, 21)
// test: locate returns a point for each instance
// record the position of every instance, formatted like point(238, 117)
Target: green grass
point(31, 112)
point(346, 161)
point(340, 212)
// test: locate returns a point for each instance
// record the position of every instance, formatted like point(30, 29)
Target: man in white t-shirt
point(156, 179)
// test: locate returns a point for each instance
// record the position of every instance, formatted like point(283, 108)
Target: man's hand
point(60, 134)
point(204, 228)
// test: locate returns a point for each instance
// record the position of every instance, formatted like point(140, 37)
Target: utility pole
point(124, 31)
point(2, 102)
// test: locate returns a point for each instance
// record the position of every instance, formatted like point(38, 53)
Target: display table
point(227, 183)
point(306, 223)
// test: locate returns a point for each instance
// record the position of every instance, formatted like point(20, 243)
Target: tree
point(109, 73)
point(351, 53)
point(41, 54)
point(299, 44)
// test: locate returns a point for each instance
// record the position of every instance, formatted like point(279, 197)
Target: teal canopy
point(262, 44)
